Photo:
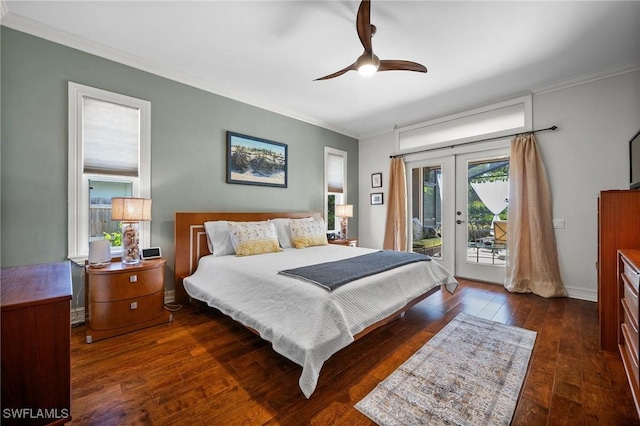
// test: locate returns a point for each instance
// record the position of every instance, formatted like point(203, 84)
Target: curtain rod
point(478, 141)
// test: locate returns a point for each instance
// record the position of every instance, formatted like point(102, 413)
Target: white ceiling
point(267, 53)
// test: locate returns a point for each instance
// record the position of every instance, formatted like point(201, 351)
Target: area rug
point(470, 373)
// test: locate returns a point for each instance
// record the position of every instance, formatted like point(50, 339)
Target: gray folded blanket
point(331, 275)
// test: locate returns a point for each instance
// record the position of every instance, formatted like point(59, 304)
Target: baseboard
point(169, 296)
point(77, 316)
point(582, 294)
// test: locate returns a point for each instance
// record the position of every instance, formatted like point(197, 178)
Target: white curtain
point(494, 195)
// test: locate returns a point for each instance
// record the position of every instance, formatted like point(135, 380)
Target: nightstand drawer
point(123, 313)
point(126, 285)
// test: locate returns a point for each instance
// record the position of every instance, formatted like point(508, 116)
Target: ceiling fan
point(368, 63)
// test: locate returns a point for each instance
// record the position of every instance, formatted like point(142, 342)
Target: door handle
point(459, 221)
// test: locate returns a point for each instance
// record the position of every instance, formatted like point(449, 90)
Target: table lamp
point(344, 211)
point(130, 211)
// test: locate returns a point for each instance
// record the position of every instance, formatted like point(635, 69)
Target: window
point(426, 207)
point(335, 176)
point(109, 156)
point(499, 119)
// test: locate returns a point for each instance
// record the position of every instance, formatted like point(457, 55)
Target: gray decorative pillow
point(430, 232)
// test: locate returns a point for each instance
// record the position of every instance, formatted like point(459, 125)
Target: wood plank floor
point(205, 369)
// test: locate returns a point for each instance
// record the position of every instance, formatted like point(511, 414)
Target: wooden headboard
point(191, 241)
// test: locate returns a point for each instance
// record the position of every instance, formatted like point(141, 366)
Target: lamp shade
point(344, 210)
point(130, 209)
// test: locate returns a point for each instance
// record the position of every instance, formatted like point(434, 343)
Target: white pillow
point(218, 238)
point(283, 229)
point(251, 238)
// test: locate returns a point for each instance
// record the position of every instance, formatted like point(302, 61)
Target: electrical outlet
point(558, 223)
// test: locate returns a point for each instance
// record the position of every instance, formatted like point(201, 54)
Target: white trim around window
point(78, 181)
point(342, 191)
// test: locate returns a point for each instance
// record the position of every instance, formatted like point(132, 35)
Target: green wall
point(188, 131)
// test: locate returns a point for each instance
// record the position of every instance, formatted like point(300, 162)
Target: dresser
point(618, 228)
point(36, 342)
point(123, 298)
point(628, 316)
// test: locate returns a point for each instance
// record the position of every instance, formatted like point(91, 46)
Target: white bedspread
point(304, 322)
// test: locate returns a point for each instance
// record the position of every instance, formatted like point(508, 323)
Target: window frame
point(343, 200)
point(78, 181)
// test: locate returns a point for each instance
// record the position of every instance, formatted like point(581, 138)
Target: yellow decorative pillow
point(308, 233)
point(249, 238)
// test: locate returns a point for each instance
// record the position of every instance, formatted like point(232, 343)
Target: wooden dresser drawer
point(126, 285)
point(631, 296)
point(630, 352)
point(632, 274)
point(631, 325)
point(105, 316)
point(628, 336)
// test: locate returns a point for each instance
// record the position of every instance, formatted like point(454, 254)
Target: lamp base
point(130, 241)
point(343, 226)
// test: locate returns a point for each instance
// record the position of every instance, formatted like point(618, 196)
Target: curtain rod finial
point(553, 127)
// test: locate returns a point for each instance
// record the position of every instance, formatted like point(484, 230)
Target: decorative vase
point(130, 240)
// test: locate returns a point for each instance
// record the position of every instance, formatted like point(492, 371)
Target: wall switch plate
point(558, 223)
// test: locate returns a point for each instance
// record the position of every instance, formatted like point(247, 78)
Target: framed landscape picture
point(255, 161)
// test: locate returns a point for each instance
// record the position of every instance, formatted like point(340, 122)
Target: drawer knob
point(133, 279)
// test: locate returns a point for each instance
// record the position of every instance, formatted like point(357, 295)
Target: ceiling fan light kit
point(368, 63)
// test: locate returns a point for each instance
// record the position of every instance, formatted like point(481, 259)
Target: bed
point(302, 321)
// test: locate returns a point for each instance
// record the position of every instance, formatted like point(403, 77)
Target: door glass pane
point(100, 194)
point(488, 185)
point(427, 210)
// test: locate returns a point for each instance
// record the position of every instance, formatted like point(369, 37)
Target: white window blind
point(335, 173)
point(111, 135)
point(495, 120)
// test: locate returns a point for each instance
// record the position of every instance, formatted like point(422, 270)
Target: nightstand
point(351, 242)
point(123, 298)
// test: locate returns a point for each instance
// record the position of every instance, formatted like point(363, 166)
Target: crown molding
point(558, 85)
point(378, 132)
point(37, 29)
point(3, 9)
point(587, 78)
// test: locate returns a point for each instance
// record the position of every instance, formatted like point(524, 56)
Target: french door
point(458, 212)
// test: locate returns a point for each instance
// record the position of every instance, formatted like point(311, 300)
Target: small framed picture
point(376, 198)
point(376, 180)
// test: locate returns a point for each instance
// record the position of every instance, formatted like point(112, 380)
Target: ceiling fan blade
point(351, 67)
point(363, 25)
point(394, 65)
